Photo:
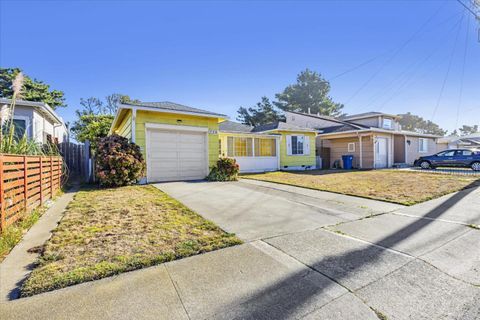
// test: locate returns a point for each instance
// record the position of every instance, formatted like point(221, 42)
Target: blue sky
point(222, 55)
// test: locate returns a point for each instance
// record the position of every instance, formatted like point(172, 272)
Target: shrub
point(226, 170)
point(118, 162)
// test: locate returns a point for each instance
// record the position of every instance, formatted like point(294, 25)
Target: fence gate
point(77, 159)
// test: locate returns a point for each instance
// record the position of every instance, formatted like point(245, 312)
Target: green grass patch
point(109, 231)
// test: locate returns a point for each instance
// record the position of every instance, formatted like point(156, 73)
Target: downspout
point(361, 149)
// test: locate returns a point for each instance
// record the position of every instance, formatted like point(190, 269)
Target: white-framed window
point(265, 147)
point(387, 123)
point(423, 145)
point(297, 144)
point(251, 147)
point(20, 126)
point(351, 147)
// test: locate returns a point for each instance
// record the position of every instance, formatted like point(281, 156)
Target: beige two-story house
point(375, 139)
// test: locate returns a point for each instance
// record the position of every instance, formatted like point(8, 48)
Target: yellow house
point(183, 143)
point(178, 142)
point(269, 147)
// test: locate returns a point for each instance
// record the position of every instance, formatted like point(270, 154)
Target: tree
point(466, 130)
point(263, 112)
point(309, 93)
point(33, 89)
point(416, 123)
point(91, 127)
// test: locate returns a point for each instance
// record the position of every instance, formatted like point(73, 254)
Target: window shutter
point(289, 145)
point(306, 145)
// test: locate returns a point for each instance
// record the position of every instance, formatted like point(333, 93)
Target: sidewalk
point(19, 262)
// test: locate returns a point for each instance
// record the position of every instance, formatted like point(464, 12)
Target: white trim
point(361, 151)
point(161, 126)
point(133, 125)
point(348, 147)
point(408, 133)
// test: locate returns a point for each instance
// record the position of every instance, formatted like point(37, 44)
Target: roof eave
point(157, 109)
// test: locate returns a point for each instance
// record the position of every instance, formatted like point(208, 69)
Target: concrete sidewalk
point(19, 262)
point(391, 265)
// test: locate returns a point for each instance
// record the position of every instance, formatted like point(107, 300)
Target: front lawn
point(109, 231)
point(388, 185)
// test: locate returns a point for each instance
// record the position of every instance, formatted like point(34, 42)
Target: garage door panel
point(176, 155)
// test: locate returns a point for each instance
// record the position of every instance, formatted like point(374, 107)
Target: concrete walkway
point(19, 262)
point(408, 263)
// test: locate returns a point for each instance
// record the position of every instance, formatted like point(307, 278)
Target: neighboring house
point(269, 147)
point(375, 139)
point(184, 143)
point(40, 122)
point(454, 142)
point(178, 142)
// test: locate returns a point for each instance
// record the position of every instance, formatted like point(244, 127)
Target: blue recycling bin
point(347, 161)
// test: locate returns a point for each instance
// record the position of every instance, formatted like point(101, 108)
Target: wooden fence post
point(41, 179)
point(25, 185)
point(2, 197)
point(51, 177)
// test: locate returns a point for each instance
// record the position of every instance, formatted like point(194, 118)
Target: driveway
point(338, 262)
point(257, 210)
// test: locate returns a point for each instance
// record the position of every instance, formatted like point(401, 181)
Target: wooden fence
point(77, 159)
point(26, 182)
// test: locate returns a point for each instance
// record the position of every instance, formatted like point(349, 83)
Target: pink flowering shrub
point(118, 162)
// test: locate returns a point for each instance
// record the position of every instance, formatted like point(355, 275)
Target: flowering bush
point(226, 169)
point(118, 162)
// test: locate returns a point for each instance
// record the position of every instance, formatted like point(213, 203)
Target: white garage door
point(176, 155)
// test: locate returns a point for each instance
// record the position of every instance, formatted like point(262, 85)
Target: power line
point(448, 72)
point(469, 9)
point(394, 55)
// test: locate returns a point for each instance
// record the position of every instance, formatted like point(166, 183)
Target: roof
point(367, 115)
point(174, 107)
point(280, 126)
point(342, 128)
point(231, 126)
point(41, 106)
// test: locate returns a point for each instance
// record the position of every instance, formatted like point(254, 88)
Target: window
point(351, 147)
point(422, 145)
point(450, 153)
point(239, 147)
point(265, 147)
point(20, 127)
point(297, 144)
point(387, 123)
point(465, 153)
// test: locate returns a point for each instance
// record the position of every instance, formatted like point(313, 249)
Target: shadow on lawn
point(281, 300)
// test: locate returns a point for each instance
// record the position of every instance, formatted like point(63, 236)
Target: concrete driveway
point(258, 210)
point(308, 254)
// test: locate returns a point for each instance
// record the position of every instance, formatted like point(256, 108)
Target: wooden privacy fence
point(77, 159)
point(25, 183)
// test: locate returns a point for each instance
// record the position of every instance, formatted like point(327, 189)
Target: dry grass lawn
point(388, 185)
point(109, 231)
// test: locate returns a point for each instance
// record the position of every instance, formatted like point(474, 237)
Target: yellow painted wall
point(125, 126)
point(173, 119)
point(297, 160)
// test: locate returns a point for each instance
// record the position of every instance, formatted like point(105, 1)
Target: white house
point(40, 122)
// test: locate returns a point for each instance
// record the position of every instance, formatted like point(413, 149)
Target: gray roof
point(40, 106)
point(342, 128)
point(366, 115)
point(231, 126)
point(171, 106)
point(280, 126)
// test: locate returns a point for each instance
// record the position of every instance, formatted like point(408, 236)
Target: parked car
point(465, 158)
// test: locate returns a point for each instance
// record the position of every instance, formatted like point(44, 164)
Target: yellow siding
point(125, 126)
point(297, 160)
point(180, 120)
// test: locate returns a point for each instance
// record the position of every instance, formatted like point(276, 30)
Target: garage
point(176, 153)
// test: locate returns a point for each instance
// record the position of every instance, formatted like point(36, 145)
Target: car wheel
point(476, 166)
point(425, 165)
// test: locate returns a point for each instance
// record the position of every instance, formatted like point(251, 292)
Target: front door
point(381, 153)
